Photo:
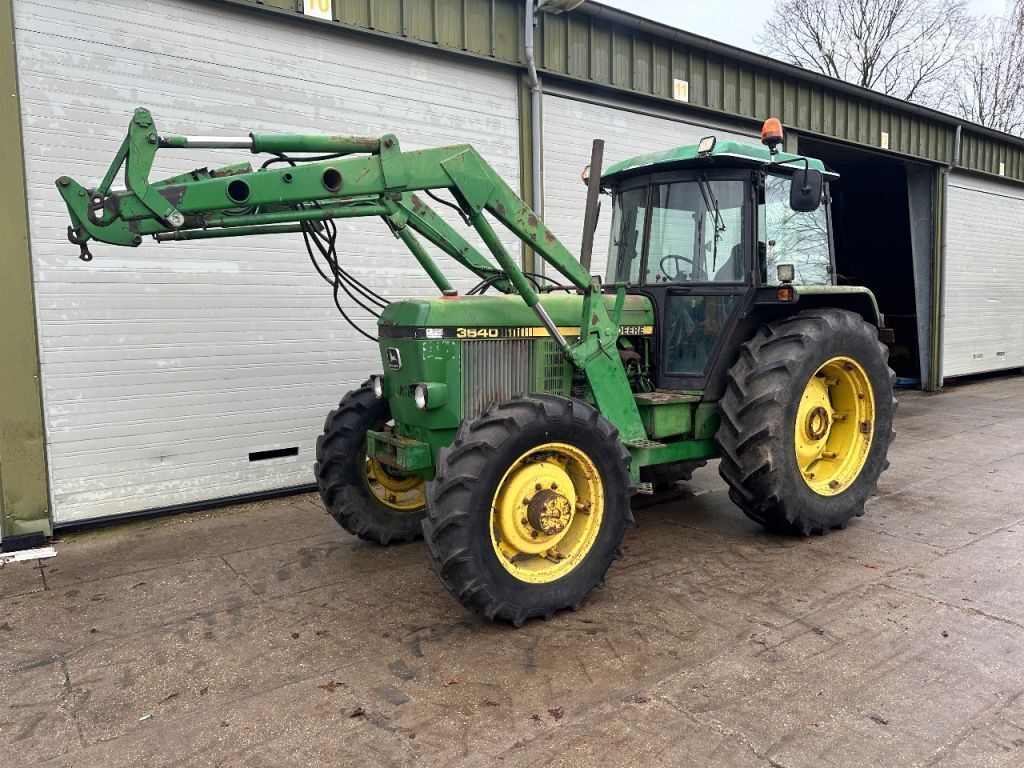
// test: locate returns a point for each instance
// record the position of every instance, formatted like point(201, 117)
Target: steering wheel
point(675, 260)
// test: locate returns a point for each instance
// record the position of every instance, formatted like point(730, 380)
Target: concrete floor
point(264, 635)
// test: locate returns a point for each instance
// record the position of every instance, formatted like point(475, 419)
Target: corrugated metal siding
point(481, 27)
point(983, 327)
point(164, 366)
point(645, 63)
point(570, 127)
point(983, 153)
point(601, 47)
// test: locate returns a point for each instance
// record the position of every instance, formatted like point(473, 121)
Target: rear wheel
point(365, 497)
point(528, 507)
point(806, 421)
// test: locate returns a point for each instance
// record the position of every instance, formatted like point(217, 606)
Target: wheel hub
point(834, 426)
point(546, 512)
point(549, 512)
point(818, 422)
point(535, 506)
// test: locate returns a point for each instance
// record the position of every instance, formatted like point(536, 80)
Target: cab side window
point(627, 242)
point(788, 237)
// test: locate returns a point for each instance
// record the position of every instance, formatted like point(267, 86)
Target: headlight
point(419, 396)
point(377, 383)
point(430, 395)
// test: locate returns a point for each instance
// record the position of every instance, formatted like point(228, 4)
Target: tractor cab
point(707, 230)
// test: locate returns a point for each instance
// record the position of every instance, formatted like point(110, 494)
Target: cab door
point(697, 268)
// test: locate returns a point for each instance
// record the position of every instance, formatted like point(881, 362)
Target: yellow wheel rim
point(402, 493)
point(835, 424)
point(546, 513)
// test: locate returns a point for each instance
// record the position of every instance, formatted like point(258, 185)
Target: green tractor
point(511, 425)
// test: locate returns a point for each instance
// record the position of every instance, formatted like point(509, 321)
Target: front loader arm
point(353, 176)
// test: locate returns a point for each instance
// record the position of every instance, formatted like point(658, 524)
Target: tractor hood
point(507, 315)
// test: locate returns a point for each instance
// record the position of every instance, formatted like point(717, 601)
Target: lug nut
point(554, 486)
point(538, 487)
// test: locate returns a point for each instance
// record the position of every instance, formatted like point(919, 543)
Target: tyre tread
point(449, 497)
point(751, 411)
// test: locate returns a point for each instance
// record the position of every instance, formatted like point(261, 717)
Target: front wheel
point(806, 421)
point(365, 497)
point(528, 507)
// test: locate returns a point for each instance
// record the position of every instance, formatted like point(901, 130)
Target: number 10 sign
point(321, 9)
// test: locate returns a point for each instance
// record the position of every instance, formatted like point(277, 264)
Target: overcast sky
point(731, 21)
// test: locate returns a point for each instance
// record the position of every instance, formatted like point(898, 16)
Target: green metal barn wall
point(596, 48)
point(604, 47)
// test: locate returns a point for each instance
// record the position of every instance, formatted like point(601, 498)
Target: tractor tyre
point(806, 421)
point(528, 507)
point(366, 498)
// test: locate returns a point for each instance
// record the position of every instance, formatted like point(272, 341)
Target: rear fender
point(767, 308)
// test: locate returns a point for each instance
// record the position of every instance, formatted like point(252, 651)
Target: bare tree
point(990, 86)
point(905, 48)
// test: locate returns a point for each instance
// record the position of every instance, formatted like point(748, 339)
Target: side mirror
point(805, 192)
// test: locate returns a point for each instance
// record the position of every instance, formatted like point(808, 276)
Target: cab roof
point(724, 154)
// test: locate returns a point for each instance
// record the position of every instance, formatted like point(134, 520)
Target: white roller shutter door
point(164, 367)
point(983, 323)
point(570, 127)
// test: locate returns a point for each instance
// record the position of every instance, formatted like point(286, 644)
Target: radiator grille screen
point(494, 371)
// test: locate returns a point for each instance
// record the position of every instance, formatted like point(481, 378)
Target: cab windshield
point(696, 232)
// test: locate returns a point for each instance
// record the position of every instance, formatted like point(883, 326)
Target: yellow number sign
point(320, 9)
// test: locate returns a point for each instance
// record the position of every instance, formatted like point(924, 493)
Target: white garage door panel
point(163, 367)
point(570, 127)
point(983, 326)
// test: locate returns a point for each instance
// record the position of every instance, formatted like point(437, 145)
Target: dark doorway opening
point(874, 239)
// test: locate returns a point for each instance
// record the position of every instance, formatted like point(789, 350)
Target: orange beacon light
point(771, 134)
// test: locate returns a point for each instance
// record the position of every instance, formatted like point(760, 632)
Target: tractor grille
point(495, 371)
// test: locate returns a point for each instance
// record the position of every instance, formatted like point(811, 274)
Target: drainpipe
point(535, 99)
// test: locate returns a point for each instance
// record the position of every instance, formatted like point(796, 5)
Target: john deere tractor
point(511, 425)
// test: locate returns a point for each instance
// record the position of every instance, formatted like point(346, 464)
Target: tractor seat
point(732, 270)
